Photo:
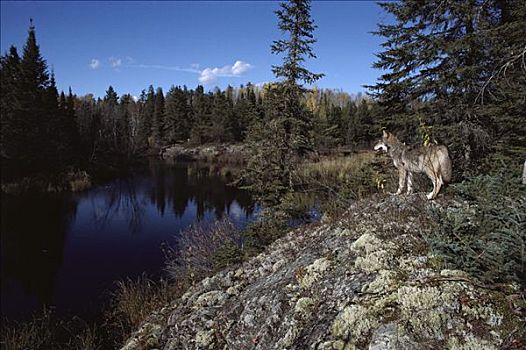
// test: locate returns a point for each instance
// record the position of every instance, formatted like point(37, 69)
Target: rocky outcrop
point(365, 281)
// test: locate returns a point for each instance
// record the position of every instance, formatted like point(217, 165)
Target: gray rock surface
point(364, 281)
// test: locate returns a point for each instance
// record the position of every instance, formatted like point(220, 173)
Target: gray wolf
point(433, 160)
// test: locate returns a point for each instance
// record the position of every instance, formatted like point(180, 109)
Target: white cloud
point(95, 63)
point(209, 75)
point(160, 66)
point(240, 67)
point(206, 76)
point(115, 62)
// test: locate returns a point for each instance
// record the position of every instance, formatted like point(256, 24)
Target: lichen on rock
point(313, 272)
point(354, 323)
point(361, 282)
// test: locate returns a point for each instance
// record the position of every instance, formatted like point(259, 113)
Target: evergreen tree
point(124, 124)
point(294, 20)
point(31, 112)
point(11, 128)
point(438, 58)
point(158, 118)
point(146, 111)
point(501, 102)
point(110, 137)
point(222, 125)
point(177, 115)
point(201, 116)
point(286, 117)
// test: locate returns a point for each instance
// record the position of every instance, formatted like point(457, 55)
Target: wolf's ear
point(385, 133)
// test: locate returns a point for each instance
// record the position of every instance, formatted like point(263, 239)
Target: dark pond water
point(67, 250)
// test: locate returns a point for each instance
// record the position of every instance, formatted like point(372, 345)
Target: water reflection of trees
point(32, 242)
point(121, 198)
point(171, 186)
point(177, 184)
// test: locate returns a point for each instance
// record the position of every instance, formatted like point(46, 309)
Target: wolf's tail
point(445, 164)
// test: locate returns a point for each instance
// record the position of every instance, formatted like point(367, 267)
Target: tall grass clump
point(134, 300)
point(487, 237)
point(46, 331)
point(337, 181)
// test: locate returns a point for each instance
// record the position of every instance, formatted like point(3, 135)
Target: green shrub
point(487, 237)
point(229, 254)
point(270, 225)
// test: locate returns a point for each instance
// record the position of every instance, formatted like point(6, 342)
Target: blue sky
point(130, 45)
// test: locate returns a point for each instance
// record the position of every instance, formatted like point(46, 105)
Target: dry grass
point(47, 332)
point(337, 168)
point(78, 181)
point(338, 181)
point(135, 299)
point(199, 248)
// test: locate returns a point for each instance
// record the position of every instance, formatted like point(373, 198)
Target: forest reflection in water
point(66, 250)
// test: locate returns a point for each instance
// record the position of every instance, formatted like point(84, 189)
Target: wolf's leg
point(402, 175)
point(433, 176)
point(437, 184)
point(440, 182)
point(409, 182)
point(431, 194)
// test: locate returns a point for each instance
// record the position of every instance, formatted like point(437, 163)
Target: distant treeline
point(132, 126)
point(44, 130)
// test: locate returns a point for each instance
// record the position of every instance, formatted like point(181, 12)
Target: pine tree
point(110, 137)
point(294, 20)
point(124, 124)
point(201, 116)
point(11, 129)
point(32, 114)
point(360, 124)
point(501, 102)
point(158, 118)
point(438, 58)
point(177, 115)
point(286, 118)
point(222, 124)
point(146, 111)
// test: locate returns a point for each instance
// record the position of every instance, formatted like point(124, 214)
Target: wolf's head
point(387, 141)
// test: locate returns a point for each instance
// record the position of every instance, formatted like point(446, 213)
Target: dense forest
point(46, 131)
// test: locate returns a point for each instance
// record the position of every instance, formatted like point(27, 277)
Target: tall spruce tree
point(31, 120)
point(201, 106)
point(11, 128)
point(32, 92)
point(438, 57)
point(177, 115)
point(158, 118)
point(146, 110)
point(502, 100)
point(286, 131)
